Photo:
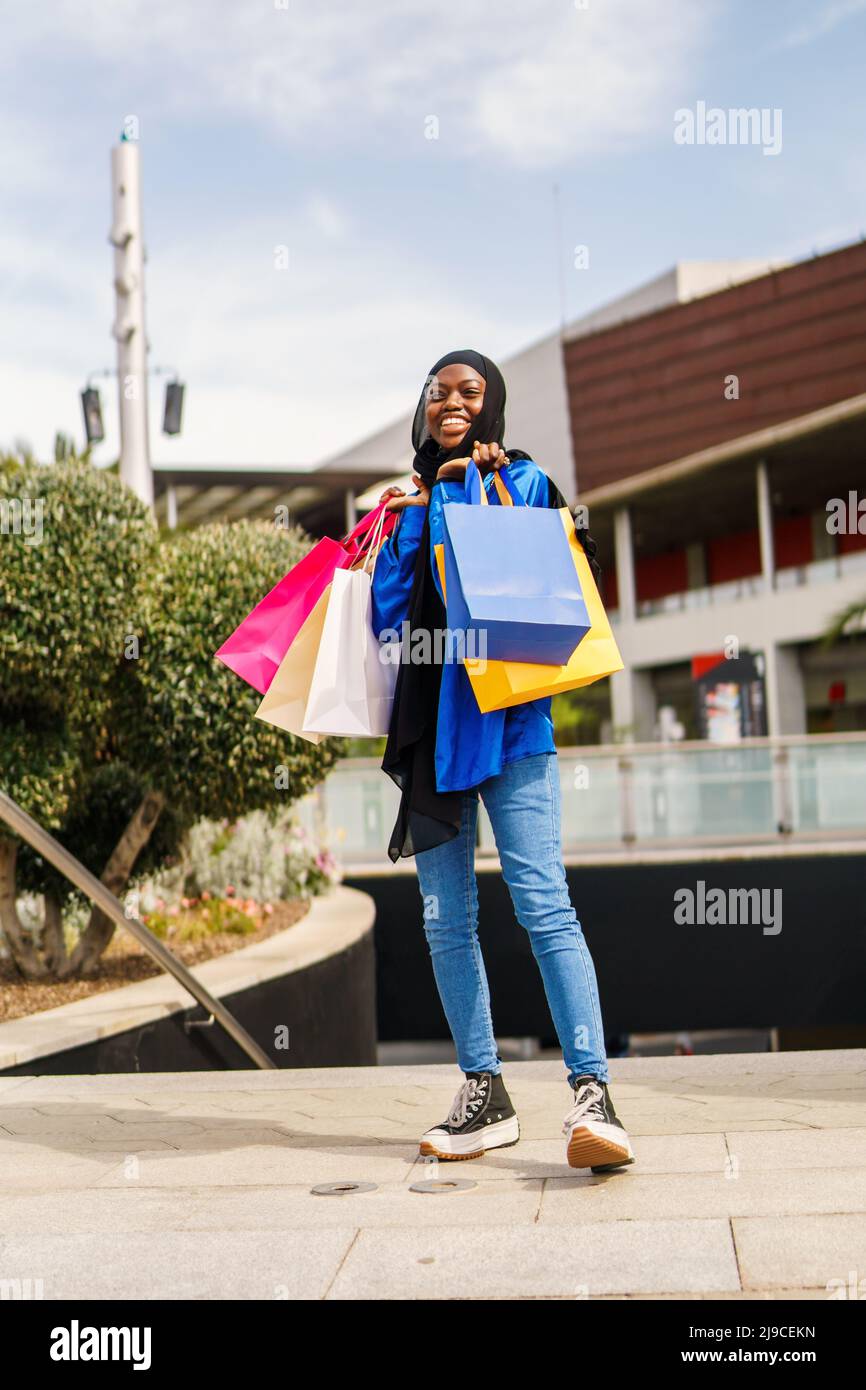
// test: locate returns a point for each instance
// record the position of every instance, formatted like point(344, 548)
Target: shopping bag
point(286, 697)
point(501, 684)
point(258, 645)
point(352, 690)
point(510, 577)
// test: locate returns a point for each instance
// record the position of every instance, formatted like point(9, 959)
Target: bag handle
point(361, 531)
point(475, 490)
point(371, 543)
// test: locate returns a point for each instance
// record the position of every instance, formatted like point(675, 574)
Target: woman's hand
point(484, 456)
point(487, 456)
point(399, 499)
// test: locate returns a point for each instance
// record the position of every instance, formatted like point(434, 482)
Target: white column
point(633, 706)
point(786, 691)
point(765, 525)
point(128, 330)
point(351, 510)
point(771, 687)
point(171, 506)
point(624, 556)
point(631, 696)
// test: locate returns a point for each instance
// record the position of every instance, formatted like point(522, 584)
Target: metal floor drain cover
point(342, 1189)
point(440, 1186)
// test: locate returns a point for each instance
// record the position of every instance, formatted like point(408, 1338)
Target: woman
point(443, 753)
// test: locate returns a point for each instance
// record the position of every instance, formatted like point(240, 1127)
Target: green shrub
point(66, 600)
point(118, 728)
point(191, 721)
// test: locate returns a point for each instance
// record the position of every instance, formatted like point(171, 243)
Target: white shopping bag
point(285, 701)
point(352, 689)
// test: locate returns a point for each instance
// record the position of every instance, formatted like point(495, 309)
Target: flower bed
point(234, 884)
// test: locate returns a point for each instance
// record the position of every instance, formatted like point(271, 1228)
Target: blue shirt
point(470, 746)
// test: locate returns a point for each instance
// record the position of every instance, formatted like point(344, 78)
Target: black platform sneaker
point(482, 1117)
point(596, 1138)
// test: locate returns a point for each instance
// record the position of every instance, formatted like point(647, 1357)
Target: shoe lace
point(588, 1105)
point(467, 1100)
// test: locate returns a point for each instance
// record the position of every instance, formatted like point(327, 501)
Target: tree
point(74, 546)
point(851, 619)
point(117, 727)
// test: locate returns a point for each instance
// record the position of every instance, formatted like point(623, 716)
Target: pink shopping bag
point(256, 648)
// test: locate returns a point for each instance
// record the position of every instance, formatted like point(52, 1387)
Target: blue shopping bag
point(510, 575)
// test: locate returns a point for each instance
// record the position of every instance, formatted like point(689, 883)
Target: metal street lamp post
point(128, 330)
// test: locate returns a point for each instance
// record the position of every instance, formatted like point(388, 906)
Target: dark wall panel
point(329, 1010)
point(650, 390)
point(654, 975)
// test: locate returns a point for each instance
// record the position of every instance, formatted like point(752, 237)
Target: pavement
point(750, 1183)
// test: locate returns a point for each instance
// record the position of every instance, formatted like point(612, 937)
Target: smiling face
point(454, 398)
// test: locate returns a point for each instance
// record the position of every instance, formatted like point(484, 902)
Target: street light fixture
point(91, 403)
point(92, 408)
point(173, 411)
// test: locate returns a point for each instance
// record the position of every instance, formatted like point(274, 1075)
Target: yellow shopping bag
point(501, 684)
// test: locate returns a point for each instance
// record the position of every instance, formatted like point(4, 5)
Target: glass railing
point(793, 577)
point(706, 597)
point(828, 785)
point(643, 795)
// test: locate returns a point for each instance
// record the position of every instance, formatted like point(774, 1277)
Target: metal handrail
point(103, 898)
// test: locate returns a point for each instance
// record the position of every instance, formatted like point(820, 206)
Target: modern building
point(715, 443)
point(713, 423)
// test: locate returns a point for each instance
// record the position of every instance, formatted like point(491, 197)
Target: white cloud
point(282, 366)
point(291, 366)
point(530, 84)
point(590, 83)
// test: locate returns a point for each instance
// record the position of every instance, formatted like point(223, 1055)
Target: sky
point(428, 169)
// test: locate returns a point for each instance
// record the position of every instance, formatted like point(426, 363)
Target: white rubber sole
point(438, 1143)
point(594, 1144)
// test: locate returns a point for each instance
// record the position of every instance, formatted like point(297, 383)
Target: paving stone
point(253, 1081)
point(95, 1213)
point(841, 1081)
point(8, 1083)
point(717, 1107)
point(267, 1209)
point(224, 1138)
point(752, 1107)
point(833, 1116)
point(680, 1153)
point(40, 1166)
point(804, 1148)
point(458, 1261)
point(294, 1264)
point(358, 1100)
point(741, 1296)
point(129, 1108)
point(803, 1252)
point(369, 1126)
point(271, 1165)
point(16, 1148)
point(22, 1122)
point(710, 1124)
point(628, 1196)
point(266, 1106)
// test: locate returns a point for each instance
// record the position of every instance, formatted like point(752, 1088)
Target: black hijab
point(428, 817)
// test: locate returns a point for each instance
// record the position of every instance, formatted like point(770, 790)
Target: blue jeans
point(524, 806)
